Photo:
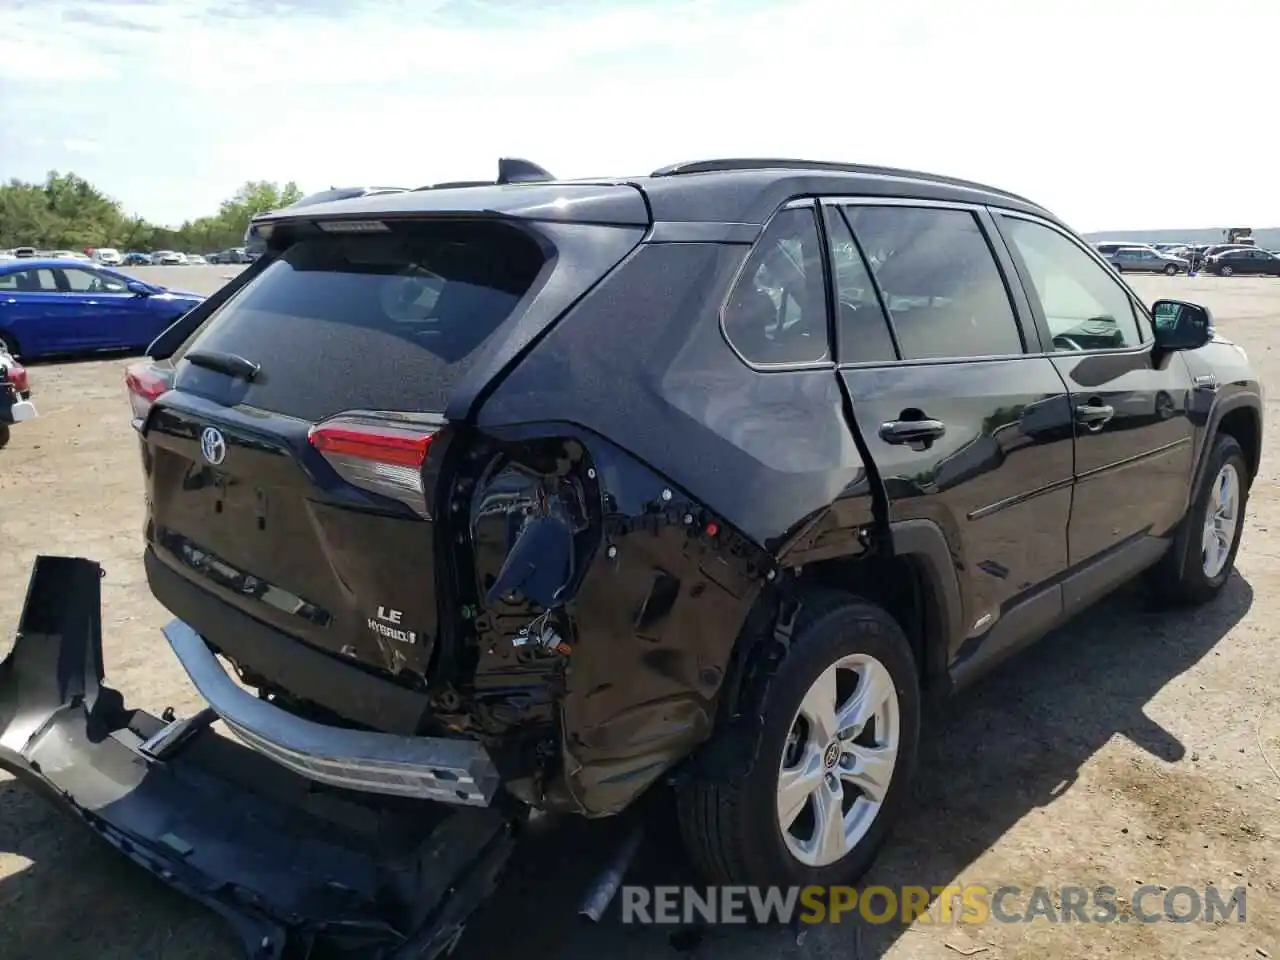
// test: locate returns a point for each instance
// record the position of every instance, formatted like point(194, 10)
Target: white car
point(68, 255)
point(108, 257)
point(195, 259)
point(168, 258)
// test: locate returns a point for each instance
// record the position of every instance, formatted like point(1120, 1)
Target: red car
point(15, 395)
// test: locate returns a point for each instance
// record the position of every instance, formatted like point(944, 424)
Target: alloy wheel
point(1221, 521)
point(839, 759)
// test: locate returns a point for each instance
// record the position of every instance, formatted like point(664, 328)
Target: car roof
point(28, 263)
point(746, 191)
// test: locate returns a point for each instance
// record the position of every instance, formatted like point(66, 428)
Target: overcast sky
point(1112, 114)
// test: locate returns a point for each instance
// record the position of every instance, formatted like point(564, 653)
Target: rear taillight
point(16, 375)
point(146, 383)
point(383, 457)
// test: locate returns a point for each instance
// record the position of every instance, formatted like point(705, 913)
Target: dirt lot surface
point(1125, 749)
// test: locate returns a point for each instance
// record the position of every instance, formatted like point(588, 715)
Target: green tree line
point(66, 212)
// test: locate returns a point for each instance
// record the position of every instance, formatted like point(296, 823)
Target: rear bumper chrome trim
point(427, 768)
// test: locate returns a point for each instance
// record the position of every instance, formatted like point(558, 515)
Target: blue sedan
point(70, 306)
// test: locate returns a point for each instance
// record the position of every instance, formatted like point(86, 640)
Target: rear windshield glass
point(370, 321)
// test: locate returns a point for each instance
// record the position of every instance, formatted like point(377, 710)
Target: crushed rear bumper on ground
point(293, 865)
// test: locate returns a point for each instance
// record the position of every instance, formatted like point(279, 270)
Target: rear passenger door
point(1133, 437)
point(968, 429)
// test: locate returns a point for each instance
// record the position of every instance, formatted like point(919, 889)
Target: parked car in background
point(1108, 247)
point(108, 257)
point(15, 395)
point(194, 260)
point(136, 259)
point(232, 255)
point(64, 306)
point(7, 255)
point(168, 258)
point(1214, 249)
point(24, 251)
point(1146, 260)
point(1244, 261)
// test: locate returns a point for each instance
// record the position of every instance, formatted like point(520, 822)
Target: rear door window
point(862, 329)
point(387, 321)
point(29, 281)
point(944, 292)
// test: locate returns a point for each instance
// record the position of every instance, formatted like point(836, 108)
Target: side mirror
point(138, 288)
point(1181, 325)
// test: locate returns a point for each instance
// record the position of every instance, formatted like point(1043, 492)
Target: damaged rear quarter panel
point(650, 604)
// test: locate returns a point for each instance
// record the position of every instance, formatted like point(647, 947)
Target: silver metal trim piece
point(428, 768)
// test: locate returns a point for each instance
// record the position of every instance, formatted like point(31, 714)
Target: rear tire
point(4, 435)
point(1200, 562)
point(8, 344)
point(1171, 270)
point(808, 794)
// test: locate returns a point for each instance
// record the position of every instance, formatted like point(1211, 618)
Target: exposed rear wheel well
point(895, 583)
point(1242, 424)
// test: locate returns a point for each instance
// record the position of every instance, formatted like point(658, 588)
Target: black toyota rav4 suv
point(531, 495)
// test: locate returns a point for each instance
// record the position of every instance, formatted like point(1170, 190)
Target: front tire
point(825, 772)
point(1225, 271)
point(1200, 562)
point(4, 435)
point(1171, 270)
point(8, 345)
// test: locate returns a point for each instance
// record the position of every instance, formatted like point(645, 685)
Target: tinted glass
point(29, 281)
point(1084, 306)
point(777, 311)
point(940, 281)
point(378, 321)
point(864, 332)
point(88, 281)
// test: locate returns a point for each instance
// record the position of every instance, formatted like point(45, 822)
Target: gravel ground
point(1127, 748)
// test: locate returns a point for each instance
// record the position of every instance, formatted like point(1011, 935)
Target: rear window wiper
point(232, 364)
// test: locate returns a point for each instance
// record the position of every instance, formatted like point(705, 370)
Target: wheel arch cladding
point(1245, 425)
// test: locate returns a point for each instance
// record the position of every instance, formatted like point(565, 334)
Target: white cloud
point(72, 145)
point(1102, 111)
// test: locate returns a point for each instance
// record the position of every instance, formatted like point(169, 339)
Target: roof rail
point(510, 170)
point(451, 184)
point(778, 163)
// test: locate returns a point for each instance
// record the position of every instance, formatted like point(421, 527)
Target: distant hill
point(1268, 238)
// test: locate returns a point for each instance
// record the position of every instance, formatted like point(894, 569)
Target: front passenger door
point(1134, 450)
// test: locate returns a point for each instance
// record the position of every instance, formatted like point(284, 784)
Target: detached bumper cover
point(291, 864)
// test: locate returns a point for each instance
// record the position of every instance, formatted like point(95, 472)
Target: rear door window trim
point(1024, 318)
